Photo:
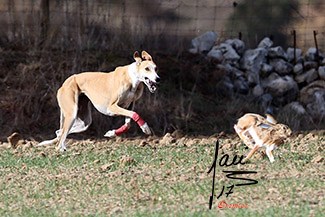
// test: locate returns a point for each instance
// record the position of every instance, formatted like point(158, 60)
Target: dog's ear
point(137, 57)
point(146, 56)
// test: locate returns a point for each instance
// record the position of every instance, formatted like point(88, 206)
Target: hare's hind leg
point(245, 136)
point(251, 153)
point(269, 154)
point(257, 140)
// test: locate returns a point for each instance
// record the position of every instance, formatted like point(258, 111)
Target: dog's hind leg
point(68, 102)
point(83, 119)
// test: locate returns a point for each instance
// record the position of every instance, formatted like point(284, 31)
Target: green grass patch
point(157, 180)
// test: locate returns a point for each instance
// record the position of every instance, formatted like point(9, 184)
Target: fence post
point(294, 47)
point(45, 21)
point(316, 45)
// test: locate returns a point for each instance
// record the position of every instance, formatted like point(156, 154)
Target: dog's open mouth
point(150, 84)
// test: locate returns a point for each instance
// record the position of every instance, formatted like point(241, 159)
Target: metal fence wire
point(159, 24)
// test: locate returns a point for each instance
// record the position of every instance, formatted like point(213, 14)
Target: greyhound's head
point(146, 70)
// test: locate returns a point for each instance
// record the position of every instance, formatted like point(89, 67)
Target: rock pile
point(276, 77)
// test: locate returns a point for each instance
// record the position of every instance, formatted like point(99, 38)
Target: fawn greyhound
point(110, 93)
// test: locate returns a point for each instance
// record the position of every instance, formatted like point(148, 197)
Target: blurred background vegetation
point(42, 42)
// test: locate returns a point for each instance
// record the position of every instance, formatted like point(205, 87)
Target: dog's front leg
point(121, 130)
point(116, 110)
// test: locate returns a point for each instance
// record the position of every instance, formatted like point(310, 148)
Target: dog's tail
point(48, 142)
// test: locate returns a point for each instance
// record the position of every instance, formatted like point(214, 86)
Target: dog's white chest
point(103, 109)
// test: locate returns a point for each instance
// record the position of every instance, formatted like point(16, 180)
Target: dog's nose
point(157, 79)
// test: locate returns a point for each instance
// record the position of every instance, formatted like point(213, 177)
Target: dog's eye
point(147, 69)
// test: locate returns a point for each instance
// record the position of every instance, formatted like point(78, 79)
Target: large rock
point(229, 53)
point(204, 42)
point(313, 98)
point(298, 69)
point(296, 107)
point(297, 110)
point(277, 52)
point(253, 59)
point(310, 65)
point(281, 66)
point(224, 53)
point(266, 101)
point(311, 54)
point(235, 72)
point(283, 89)
point(241, 86)
point(267, 98)
point(266, 69)
point(265, 43)
point(258, 90)
point(237, 44)
point(253, 78)
point(321, 72)
point(216, 54)
point(291, 52)
point(309, 76)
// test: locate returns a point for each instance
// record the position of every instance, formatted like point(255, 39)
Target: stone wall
point(275, 77)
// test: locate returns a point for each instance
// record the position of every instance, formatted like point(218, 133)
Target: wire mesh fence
point(158, 24)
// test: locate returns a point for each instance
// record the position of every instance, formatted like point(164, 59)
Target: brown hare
point(257, 132)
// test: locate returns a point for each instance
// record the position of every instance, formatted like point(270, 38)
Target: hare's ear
point(264, 126)
point(270, 119)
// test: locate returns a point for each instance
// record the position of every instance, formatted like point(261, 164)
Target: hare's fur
point(257, 132)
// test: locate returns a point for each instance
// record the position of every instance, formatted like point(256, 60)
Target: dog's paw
point(110, 134)
point(145, 128)
point(61, 148)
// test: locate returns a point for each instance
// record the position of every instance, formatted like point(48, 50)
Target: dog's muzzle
point(150, 84)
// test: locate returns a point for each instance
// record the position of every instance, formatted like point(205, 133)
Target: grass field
point(160, 177)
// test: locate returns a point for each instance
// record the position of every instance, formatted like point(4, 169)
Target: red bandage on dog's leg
point(138, 119)
point(121, 130)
